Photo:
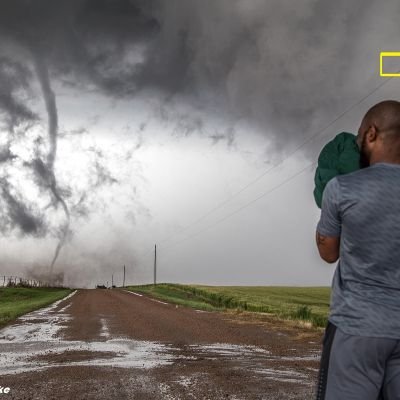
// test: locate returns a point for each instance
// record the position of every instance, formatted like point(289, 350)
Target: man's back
point(363, 207)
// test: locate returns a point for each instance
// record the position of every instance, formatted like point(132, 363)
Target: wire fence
point(16, 281)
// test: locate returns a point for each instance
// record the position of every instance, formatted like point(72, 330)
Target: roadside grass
point(18, 301)
point(308, 304)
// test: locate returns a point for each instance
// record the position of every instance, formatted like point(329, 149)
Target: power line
point(251, 183)
point(297, 149)
point(246, 204)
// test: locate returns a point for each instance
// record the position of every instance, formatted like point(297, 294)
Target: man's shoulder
point(377, 181)
point(355, 183)
point(355, 180)
point(355, 175)
point(333, 184)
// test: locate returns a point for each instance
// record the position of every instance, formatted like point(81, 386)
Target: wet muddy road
point(112, 344)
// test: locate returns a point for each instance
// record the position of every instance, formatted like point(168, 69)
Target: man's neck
point(386, 153)
point(387, 160)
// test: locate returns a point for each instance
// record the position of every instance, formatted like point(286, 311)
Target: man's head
point(379, 134)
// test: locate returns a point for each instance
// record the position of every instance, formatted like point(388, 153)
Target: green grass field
point(18, 301)
point(296, 303)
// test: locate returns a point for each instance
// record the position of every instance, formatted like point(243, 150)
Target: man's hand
point(328, 247)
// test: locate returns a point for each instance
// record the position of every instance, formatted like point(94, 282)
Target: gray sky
point(124, 123)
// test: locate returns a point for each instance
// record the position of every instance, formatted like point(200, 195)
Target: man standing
point(360, 226)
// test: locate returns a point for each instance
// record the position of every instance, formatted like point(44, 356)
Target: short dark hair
point(385, 116)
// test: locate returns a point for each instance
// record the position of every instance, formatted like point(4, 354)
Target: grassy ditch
point(18, 301)
point(310, 304)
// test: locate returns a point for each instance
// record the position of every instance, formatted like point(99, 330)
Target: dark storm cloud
point(103, 176)
point(91, 40)
point(6, 154)
point(19, 215)
point(274, 63)
point(45, 180)
point(14, 77)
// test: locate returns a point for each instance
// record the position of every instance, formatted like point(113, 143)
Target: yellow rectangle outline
point(388, 54)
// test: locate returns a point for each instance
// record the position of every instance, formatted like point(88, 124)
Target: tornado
point(52, 115)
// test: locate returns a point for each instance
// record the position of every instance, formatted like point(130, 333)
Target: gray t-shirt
point(363, 208)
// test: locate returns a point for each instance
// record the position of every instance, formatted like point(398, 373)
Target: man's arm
point(330, 225)
point(328, 247)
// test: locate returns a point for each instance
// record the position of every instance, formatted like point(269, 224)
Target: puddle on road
point(253, 358)
point(18, 358)
point(33, 343)
point(41, 325)
point(282, 375)
point(104, 332)
point(233, 350)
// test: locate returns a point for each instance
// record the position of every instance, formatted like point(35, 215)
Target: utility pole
point(112, 281)
point(155, 264)
point(123, 284)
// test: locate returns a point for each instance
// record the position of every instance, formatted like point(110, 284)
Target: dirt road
point(112, 344)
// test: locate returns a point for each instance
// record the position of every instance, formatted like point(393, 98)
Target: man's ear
point(372, 133)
